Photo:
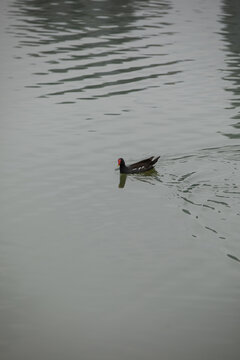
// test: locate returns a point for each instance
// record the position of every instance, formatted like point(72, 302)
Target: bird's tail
point(155, 160)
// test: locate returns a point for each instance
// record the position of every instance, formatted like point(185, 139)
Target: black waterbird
point(139, 167)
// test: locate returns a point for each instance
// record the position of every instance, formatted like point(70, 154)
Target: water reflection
point(149, 177)
point(54, 21)
point(231, 35)
point(122, 180)
point(94, 49)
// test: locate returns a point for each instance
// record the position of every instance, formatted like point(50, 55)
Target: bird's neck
point(122, 166)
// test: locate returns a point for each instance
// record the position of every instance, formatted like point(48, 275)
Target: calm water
point(91, 267)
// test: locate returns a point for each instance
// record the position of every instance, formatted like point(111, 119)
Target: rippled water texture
point(97, 266)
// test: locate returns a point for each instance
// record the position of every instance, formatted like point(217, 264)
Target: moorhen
point(139, 167)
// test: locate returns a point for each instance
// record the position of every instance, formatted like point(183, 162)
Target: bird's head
point(121, 161)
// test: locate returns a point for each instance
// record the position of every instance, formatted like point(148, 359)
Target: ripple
point(233, 257)
point(100, 41)
point(203, 187)
point(219, 202)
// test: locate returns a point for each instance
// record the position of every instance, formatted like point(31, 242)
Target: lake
point(93, 267)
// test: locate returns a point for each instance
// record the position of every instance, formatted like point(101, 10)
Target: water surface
point(91, 270)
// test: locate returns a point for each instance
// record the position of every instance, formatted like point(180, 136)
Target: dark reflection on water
point(231, 35)
point(99, 18)
point(148, 177)
point(122, 180)
point(96, 48)
point(55, 22)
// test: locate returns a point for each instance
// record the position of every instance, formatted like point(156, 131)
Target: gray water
point(91, 267)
